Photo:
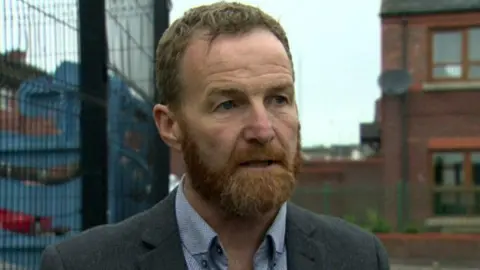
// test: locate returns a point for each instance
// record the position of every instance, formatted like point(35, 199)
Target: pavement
point(433, 267)
point(6, 266)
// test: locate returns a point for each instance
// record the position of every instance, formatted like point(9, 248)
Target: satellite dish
point(395, 82)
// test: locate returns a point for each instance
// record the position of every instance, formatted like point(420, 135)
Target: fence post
point(400, 194)
point(161, 152)
point(93, 115)
point(326, 193)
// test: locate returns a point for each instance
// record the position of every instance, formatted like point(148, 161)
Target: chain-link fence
point(378, 207)
point(40, 106)
point(356, 203)
point(131, 43)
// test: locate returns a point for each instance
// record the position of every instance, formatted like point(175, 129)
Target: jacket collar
point(162, 239)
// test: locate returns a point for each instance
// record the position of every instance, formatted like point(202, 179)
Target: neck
point(238, 235)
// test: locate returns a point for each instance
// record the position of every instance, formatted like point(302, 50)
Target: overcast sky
point(336, 50)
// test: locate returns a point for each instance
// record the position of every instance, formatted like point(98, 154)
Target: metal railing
point(40, 105)
point(396, 207)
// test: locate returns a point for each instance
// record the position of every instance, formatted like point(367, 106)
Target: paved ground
point(5, 266)
point(413, 267)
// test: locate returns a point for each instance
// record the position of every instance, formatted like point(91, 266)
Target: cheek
point(288, 134)
point(293, 146)
point(216, 150)
point(288, 129)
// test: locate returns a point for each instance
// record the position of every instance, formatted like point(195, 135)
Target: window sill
point(454, 224)
point(451, 86)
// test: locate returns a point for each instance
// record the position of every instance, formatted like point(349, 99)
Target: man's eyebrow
point(286, 87)
point(228, 91)
point(224, 91)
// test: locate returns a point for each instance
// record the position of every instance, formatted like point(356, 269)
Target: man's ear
point(167, 126)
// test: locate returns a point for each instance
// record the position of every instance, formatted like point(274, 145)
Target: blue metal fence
point(40, 103)
point(40, 180)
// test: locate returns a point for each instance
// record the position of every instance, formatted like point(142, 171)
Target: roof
point(333, 150)
point(13, 73)
point(411, 7)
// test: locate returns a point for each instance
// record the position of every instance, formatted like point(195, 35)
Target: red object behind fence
point(23, 223)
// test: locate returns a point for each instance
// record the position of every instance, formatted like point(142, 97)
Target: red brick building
point(439, 44)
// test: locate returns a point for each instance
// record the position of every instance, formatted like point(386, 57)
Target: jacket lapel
point(164, 248)
point(162, 240)
point(302, 252)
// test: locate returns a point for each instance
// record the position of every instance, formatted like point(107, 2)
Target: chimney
point(378, 110)
point(16, 56)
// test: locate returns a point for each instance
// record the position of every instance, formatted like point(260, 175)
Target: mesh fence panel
point(40, 177)
point(130, 40)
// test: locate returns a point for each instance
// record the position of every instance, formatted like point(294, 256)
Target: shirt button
point(204, 264)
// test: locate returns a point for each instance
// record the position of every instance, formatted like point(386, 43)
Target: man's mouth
point(259, 163)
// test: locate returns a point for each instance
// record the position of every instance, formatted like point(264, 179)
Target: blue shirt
point(202, 248)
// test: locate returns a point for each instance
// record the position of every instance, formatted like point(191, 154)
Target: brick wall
point(418, 40)
point(355, 187)
point(431, 114)
point(11, 120)
point(446, 248)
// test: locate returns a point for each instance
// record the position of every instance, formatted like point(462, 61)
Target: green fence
point(380, 208)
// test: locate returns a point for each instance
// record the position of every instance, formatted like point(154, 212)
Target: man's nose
point(259, 125)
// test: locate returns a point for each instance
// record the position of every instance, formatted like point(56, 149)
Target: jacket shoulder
point(346, 243)
point(103, 246)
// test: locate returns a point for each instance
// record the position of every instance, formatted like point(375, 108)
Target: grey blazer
point(151, 241)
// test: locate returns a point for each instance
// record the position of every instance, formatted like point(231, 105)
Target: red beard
point(240, 192)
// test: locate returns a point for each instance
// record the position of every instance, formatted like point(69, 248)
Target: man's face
point(238, 122)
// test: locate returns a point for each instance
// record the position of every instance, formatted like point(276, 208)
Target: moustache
point(268, 155)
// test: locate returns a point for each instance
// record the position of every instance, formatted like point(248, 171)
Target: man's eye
point(227, 105)
point(279, 100)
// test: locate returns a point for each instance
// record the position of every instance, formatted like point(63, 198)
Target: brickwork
point(431, 114)
point(462, 249)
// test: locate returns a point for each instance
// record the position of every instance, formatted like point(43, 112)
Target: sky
point(336, 51)
point(335, 46)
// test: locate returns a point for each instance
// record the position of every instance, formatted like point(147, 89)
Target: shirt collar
point(197, 235)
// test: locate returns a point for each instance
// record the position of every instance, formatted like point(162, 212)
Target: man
point(228, 104)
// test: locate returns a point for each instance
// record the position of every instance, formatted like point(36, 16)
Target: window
point(3, 103)
point(456, 178)
point(5, 100)
point(456, 54)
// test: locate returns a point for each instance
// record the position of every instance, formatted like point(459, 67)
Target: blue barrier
point(26, 160)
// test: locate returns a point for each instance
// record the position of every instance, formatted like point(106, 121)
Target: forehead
point(257, 47)
point(235, 57)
